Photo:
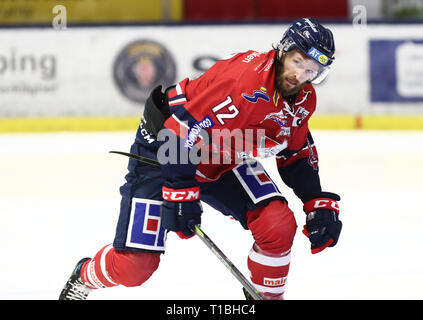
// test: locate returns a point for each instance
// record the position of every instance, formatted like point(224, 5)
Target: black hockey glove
point(322, 223)
point(180, 209)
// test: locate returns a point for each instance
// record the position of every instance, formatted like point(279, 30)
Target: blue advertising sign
point(396, 70)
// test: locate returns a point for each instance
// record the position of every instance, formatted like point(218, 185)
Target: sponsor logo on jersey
point(276, 97)
point(306, 94)
point(257, 94)
point(251, 56)
point(256, 181)
point(269, 148)
point(141, 66)
point(195, 130)
point(145, 230)
point(313, 160)
point(245, 154)
point(301, 113)
point(299, 116)
point(147, 137)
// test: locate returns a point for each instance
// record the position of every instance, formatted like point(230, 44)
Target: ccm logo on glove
point(322, 203)
point(187, 194)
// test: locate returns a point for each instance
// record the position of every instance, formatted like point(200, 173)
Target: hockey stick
point(225, 260)
point(137, 157)
point(207, 241)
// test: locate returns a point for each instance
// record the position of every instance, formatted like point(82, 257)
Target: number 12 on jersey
point(233, 111)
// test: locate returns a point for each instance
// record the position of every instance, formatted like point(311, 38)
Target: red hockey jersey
point(236, 98)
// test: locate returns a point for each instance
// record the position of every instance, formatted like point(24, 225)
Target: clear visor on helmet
point(321, 75)
point(308, 70)
point(321, 63)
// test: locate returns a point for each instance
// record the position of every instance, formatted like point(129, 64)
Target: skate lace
point(77, 291)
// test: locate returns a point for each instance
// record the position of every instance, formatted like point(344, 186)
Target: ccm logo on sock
point(187, 194)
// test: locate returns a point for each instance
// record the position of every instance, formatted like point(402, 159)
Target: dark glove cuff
point(181, 184)
point(322, 194)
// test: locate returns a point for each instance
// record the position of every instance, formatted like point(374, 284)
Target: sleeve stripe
point(178, 89)
point(179, 121)
point(177, 96)
point(174, 101)
point(177, 126)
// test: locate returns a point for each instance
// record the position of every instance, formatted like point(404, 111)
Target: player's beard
point(281, 78)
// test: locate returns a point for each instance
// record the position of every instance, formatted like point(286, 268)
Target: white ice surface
point(59, 202)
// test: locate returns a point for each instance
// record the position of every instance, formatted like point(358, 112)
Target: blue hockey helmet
point(312, 39)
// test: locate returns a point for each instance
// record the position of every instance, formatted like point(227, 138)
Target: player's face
point(296, 70)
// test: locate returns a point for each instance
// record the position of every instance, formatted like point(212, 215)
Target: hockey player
point(266, 98)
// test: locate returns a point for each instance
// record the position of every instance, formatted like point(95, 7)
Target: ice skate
point(74, 288)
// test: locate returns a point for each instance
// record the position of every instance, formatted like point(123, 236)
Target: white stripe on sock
point(103, 264)
point(269, 261)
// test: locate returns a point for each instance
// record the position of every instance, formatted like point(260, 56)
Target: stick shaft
point(228, 264)
point(208, 242)
point(137, 157)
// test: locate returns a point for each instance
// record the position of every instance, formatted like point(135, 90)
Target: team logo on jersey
point(281, 119)
point(257, 94)
point(141, 66)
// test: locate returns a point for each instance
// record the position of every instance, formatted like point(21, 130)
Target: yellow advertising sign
point(89, 11)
